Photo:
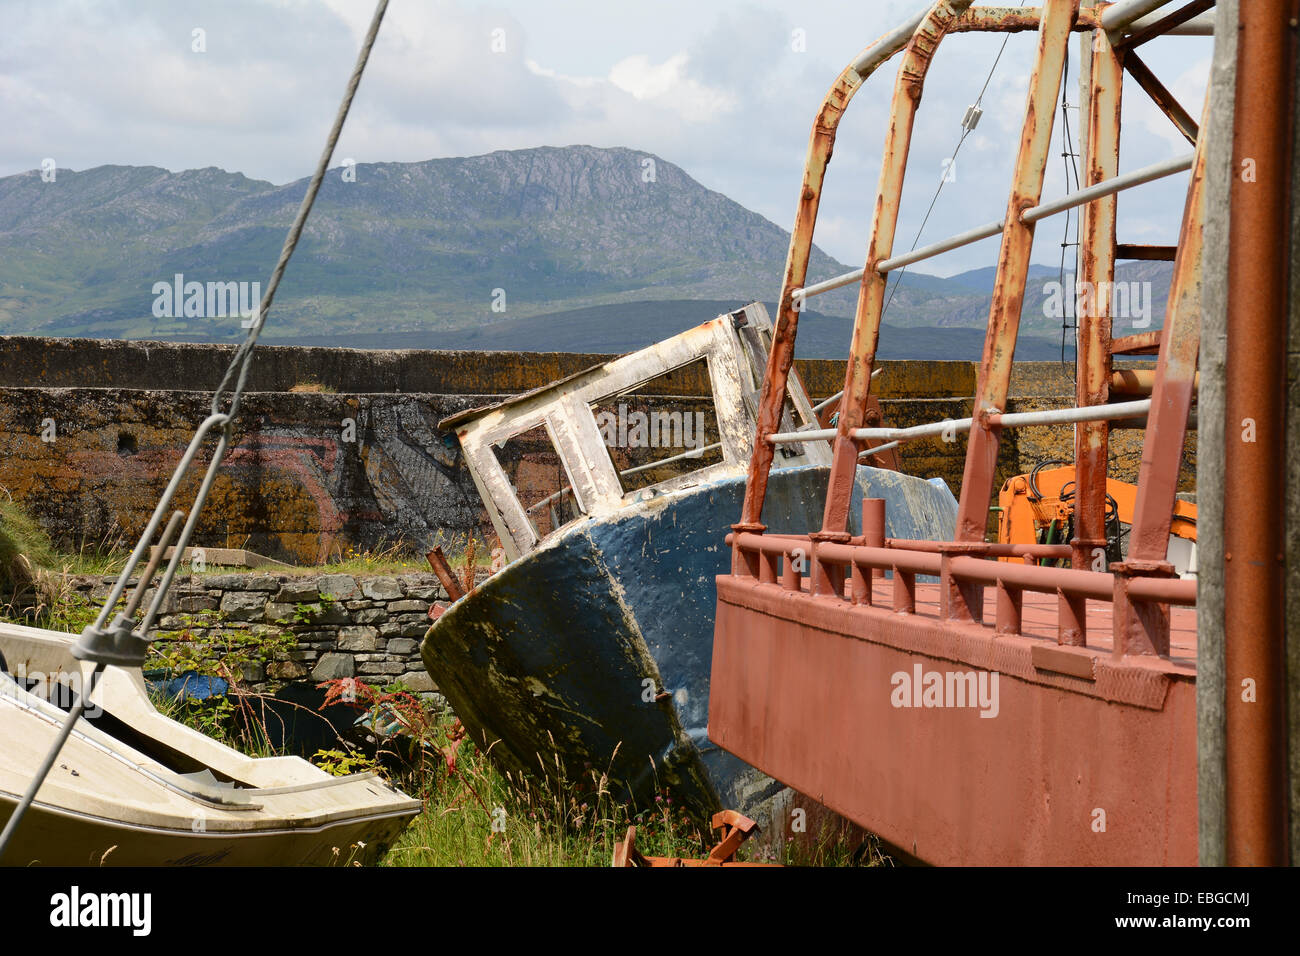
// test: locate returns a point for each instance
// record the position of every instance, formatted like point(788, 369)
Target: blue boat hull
point(597, 647)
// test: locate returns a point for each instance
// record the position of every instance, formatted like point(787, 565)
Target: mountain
point(438, 252)
point(627, 326)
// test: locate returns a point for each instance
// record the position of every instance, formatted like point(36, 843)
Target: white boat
point(132, 787)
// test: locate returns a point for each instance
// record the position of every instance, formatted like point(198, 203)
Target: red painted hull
point(804, 689)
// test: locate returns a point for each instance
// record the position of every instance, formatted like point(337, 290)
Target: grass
point(474, 814)
point(25, 548)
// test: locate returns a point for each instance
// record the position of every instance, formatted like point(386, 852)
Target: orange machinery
point(1038, 508)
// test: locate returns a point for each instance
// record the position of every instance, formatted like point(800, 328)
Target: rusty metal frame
point(770, 595)
point(1141, 626)
point(1161, 96)
point(821, 144)
point(1097, 253)
point(908, 88)
point(1009, 288)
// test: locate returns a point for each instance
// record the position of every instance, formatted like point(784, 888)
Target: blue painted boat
point(591, 650)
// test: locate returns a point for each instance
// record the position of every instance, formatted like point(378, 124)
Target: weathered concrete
point(314, 473)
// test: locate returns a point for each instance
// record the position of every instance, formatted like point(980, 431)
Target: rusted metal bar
point(908, 88)
point(1164, 24)
point(1146, 253)
point(1013, 20)
point(438, 561)
point(1093, 355)
point(1139, 381)
point(1254, 482)
point(1013, 263)
point(992, 549)
point(821, 142)
point(1173, 388)
point(1140, 343)
point(1161, 96)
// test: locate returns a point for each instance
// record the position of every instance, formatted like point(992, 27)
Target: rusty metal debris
point(735, 829)
point(438, 561)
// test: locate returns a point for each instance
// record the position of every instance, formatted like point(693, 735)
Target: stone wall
point(90, 432)
point(341, 625)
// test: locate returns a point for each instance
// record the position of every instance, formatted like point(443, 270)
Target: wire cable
point(947, 168)
point(238, 369)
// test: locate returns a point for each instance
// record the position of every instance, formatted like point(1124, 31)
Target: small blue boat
point(591, 649)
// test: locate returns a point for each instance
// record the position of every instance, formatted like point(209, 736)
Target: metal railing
point(843, 572)
point(1072, 200)
point(1053, 416)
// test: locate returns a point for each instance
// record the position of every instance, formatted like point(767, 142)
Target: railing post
point(1071, 619)
point(959, 600)
point(904, 592)
point(1010, 602)
point(860, 585)
point(873, 527)
point(827, 576)
point(1139, 627)
point(791, 575)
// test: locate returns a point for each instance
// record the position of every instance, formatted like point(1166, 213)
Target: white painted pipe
point(1113, 185)
point(1051, 416)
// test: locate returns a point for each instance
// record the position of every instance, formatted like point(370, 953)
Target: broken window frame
point(731, 344)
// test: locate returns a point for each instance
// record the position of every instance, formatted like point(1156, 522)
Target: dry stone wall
point(340, 625)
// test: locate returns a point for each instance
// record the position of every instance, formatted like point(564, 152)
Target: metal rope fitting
point(116, 644)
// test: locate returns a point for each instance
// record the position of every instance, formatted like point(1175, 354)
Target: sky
point(726, 89)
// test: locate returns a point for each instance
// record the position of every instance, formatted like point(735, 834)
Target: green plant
point(341, 763)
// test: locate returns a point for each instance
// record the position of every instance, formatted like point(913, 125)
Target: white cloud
point(714, 88)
